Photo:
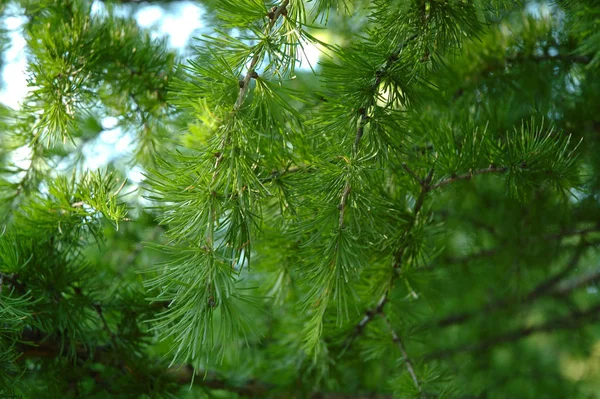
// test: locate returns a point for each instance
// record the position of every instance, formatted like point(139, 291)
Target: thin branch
point(98, 309)
point(409, 365)
point(364, 111)
point(425, 188)
point(254, 61)
point(412, 173)
point(367, 318)
point(570, 322)
point(570, 233)
point(39, 346)
point(245, 83)
point(398, 257)
point(539, 291)
point(570, 285)
point(469, 175)
point(186, 374)
point(342, 206)
point(364, 119)
point(573, 58)
point(492, 251)
point(397, 264)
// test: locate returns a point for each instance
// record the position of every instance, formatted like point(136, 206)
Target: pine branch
point(364, 120)
point(570, 285)
point(35, 345)
point(542, 289)
point(528, 240)
point(367, 318)
point(426, 187)
point(570, 322)
point(364, 117)
point(572, 58)
point(371, 313)
point(254, 61)
point(245, 83)
point(409, 365)
point(469, 175)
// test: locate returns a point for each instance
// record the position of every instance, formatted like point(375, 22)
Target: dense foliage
point(415, 216)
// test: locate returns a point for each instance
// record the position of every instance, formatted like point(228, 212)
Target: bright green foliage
point(415, 216)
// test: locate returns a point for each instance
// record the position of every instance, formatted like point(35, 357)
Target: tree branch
point(368, 317)
point(426, 187)
point(364, 119)
point(364, 111)
point(568, 286)
point(518, 58)
point(40, 347)
point(572, 321)
point(527, 240)
point(469, 175)
point(397, 264)
point(409, 365)
point(540, 290)
point(245, 83)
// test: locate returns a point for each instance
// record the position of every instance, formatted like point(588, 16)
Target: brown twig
point(498, 66)
point(397, 264)
point(426, 187)
point(492, 251)
point(572, 321)
point(469, 175)
point(254, 61)
point(245, 83)
point(364, 120)
point(545, 287)
point(409, 365)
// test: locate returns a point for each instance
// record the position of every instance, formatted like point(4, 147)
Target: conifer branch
point(34, 345)
point(245, 83)
point(409, 365)
point(362, 122)
point(378, 309)
point(527, 240)
point(223, 180)
point(543, 288)
point(367, 318)
point(469, 175)
point(364, 111)
point(426, 187)
point(364, 119)
point(256, 58)
point(412, 173)
point(567, 286)
point(569, 322)
point(520, 58)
